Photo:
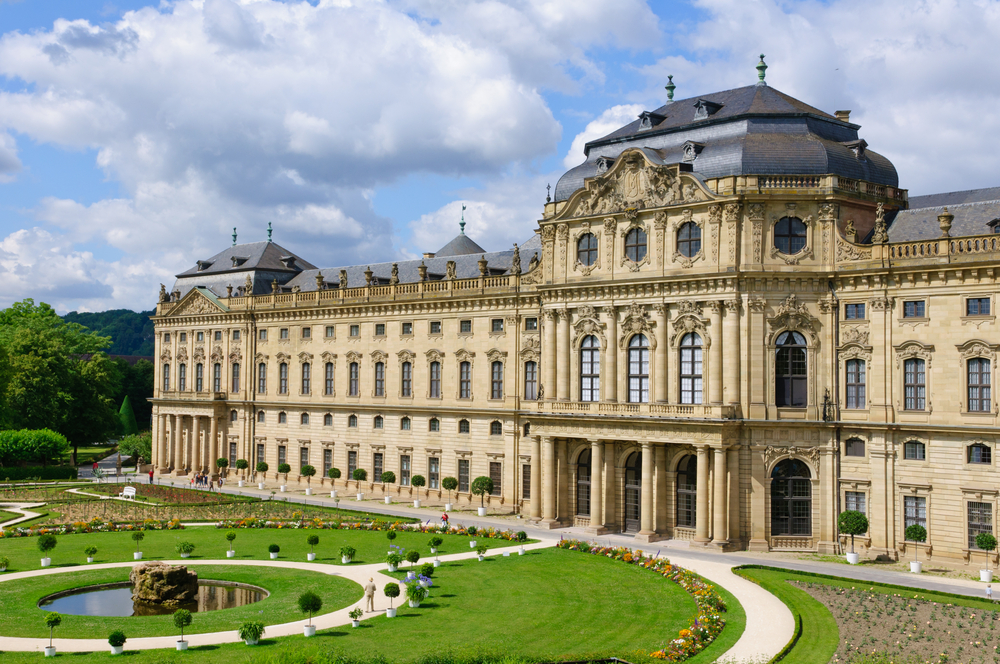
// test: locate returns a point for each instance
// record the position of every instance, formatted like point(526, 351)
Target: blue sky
point(134, 136)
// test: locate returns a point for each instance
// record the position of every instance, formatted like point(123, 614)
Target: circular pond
point(115, 600)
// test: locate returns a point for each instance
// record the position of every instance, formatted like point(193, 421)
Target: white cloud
point(610, 120)
point(9, 162)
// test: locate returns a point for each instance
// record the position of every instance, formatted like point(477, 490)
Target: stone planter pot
point(182, 645)
point(361, 496)
point(388, 500)
point(333, 494)
point(506, 554)
point(274, 556)
point(985, 575)
point(117, 650)
point(260, 485)
point(434, 549)
point(308, 630)
point(240, 484)
point(230, 554)
point(185, 555)
point(390, 613)
point(250, 642)
point(852, 558)
point(310, 557)
point(392, 568)
point(90, 559)
point(416, 503)
point(344, 560)
point(520, 551)
point(309, 491)
point(481, 511)
point(283, 488)
point(46, 562)
point(482, 558)
point(50, 651)
point(137, 555)
point(355, 623)
point(915, 566)
point(414, 605)
point(437, 563)
point(447, 507)
point(472, 544)
point(424, 584)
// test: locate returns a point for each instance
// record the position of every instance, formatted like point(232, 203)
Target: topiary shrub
point(915, 533)
point(310, 602)
point(284, 469)
point(230, 536)
point(436, 542)
point(182, 618)
point(52, 620)
point(388, 477)
point(418, 481)
point(307, 472)
point(333, 473)
point(449, 484)
point(390, 535)
point(853, 523)
point(391, 591)
point(262, 467)
point(117, 638)
point(427, 569)
point(46, 543)
point(360, 474)
point(273, 548)
point(137, 537)
point(222, 463)
point(522, 536)
point(242, 465)
point(987, 543)
point(312, 541)
point(480, 487)
point(412, 556)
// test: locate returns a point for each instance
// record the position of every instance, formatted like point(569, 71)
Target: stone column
point(701, 503)
point(213, 444)
point(720, 507)
point(562, 357)
point(536, 478)
point(177, 442)
point(828, 499)
point(549, 354)
point(731, 370)
point(549, 480)
point(610, 487)
point(715, 353)
point(660, 354)
point(596, 490)
point(660, 490)
point(646, 532)
point(162, 460)
point(759, 486)
point(610, 368)
point(564, 478)
point(196, 444)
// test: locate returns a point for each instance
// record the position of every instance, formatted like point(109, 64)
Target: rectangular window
point(914, 309)
point(980, 454)
point(283, 378)
point(303, 457)
point(978, 384)
point(354, 374)
point(465, 380)
point(404, 470)
point(463, 475)
point(914, 451)
point(496, 474)
point(914, 511)
point(379, 329)
point(166, 337)
point(328, 387)
point(854, 501)
point(496, 381)
point(306, 377)
point(199, 337)
point(184, 337)
point(329, 331)
point(856, 384)
point(854, 311)
point(283, 333)
point(914, 384)
point(433, 473)
point(307, 333)
point(352, 463)
point(166, 377)
point(407, 329)
point(232, 455)
point(691, 373)
point(465, 326)
point(531, 381)
point(526, 481)
point(406, 379)
point(182, 377)
point(435, 327)
point(380, 379)
point(199, 377)
point(218, 335)
point(327, 461)
point(377, 466)
point(980, 521)
point(260, 454)
point(217, 377)
point(355, 330)
point(262, 335)
point(236, 335)
point(530, 324)
point(496, 325)
point(435, 386)
point(974, 306)
point(236, 378)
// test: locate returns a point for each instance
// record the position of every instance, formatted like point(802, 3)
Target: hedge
point(16, 473)
point(32, 446)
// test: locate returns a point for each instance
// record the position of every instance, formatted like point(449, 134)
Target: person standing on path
point(444, 519)
point(370, 595)
point(150, 475)
point(989, 592)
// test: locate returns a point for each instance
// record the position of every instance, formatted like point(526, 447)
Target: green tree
point(136, 446)
point(480, 487)
point(127, 417)
point(137, 384)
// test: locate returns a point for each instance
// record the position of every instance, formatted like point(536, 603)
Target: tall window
point(979, 384)
point(236, 377)
point(638, 369)
point(328, 420)
point(199, 377)
point(914, 511)
point(496, 380)
point(496, 428)
point(404, 470)
point(404, 424)
point(465, 380)
point(282, 418)
point(526, 481)
point(261, 378)
point(590, 369)
point(856, 384)
point(435, 386)
point(463, 475)
point(260, 453)
point(433, 472)
point(181, 377)
point(327, 461)
point(531, 380)
point(406, 380)
point(328, 387)
point(377, 468)
point(283, 378)
point(434, 425)
point(217, 377)
point(306, 376)
point(586, 249)
point(914, 450)
point(496, 474)
point(689, 239)
point(166, 377)
point(304, 418)
point(791, 498)
point(635, 245)
point(691, 368)
point(980, 521)
point(260, 418)
point(789, 235)
point(352, 389)
point(379, 421)
point(380, 379)
point(352, 463)
point(352, 421)
point(687, 491)
point(583, 484)
point(790, 379)
point(233, 416)
point(914, 384)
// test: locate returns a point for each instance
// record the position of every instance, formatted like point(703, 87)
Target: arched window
point(590, 369)
point(854, 447)
point(689, 239)
point(791, 498)
point(790, 379)
point(978, 384)
point(352, 421)
point(856, 384)
point(306, 376)
point(304, 418)
point(434, 425)
point(261, 378)
point(463, 426)
point(638, 369)
point(586, 249)
point(633, 491)
point(583, 484)
point(283, 378)
point(435, 386)
point(182, 377)
point(691, 368)
point(328, 420)
point(979, 453)
point(789, 235)
point(380, 379)
point(260, 417)
point(404, 424)
point(378, 422)
point(635, 245)
point(282, 418)
point(496, 428)
point(233, 416)
point(217, 377)
point(531, 380)
point(199, 377)
point(687, 491)
point(465, 380)
point(328, 387)
point(236, 377)
point(914, 450)
point(496, 380)
point(406, 380)
point(166, 377)
point(914, 384)
point(353, 376)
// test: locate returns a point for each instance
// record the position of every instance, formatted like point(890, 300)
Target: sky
point(134, 136)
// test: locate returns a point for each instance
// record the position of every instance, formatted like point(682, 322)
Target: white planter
point(915, 566)
point(388, 500)
point(414, 605)
point(50, 651)
point(282, 487)
point(520, 551)
point(361, 496)
point(355, 623)
point(852, 558)
point(250, 642)
point(472, 544)
point(310, 556)
point(137, 555)
point(117, 650)
point(90, 559)
point(390, 613)
point(240, 484)
point(185, 555)
point(424, 584)
point(344, 560)
point(230, 554)
point(46, 562)
point(3, 569)
point(309, 630)
point(333, 494)
point(274, 556)
point(447, 507)
point(506, 554)
point(410, 576)
point(437, 563)
point(309, 491)
point(392, 568)
point(481, 510)
point(260, 485)
point(182, 645)
point(482, 558)
point(416, 503)
point(985, 575)
point(434, 549)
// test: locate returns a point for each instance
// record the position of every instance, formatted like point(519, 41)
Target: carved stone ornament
point(530, 348)
point(434, 355)
point(914, 349)
point(353, 356)
point(757, 304)
point(881, 303)
point(588, 323)
point(327, 356)
point(579, 266)
point(803, 253)
point(855, 334)
point(880, 235)
point(199, 354)
point(195, 303)
point(847, 252)
point(969, 350)
point(217, 354)
point(793, 316)
point(688, 307)
point(182, 354)
point(772, 453)
point(236, 356)
point(496, 355)
point(378, 356)
point(687, 322)
point(636, 321)
point(548, 233)
point(464, 355)
point(165, 355)
point(534, 273)
point(282, 357)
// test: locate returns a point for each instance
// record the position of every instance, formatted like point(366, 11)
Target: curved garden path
point(20, 508)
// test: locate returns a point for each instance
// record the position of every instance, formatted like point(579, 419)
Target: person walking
point(370, 595)
point(150, 475)
point(989, 592)
point(444, 520)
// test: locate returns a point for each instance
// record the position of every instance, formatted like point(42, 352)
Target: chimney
point(428, 254)
point(843, 116)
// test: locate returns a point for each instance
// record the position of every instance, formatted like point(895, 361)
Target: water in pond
point(117, 601)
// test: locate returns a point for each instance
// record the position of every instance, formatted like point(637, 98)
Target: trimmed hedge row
point(16, 473)
point(31, 446)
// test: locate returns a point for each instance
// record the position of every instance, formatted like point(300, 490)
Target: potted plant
point(987, 543)
point(360, 475)
point(262, 468)
point(284, 469)
point(390, 535)
point(221, 464)
point(521, 537)
point(116, 640)
point(852, 523)
point(273, 549)
point(91, 551)
point(242, 465)
point(427, 570)
point(137, 537)
point(388, 477)
point(307, 472)
point(52, 620)
point(45, 544)
point(449, 484)
point(333, 474)
point(472, 530)
point(312, 541)
point(355, 615)
point(4, 562)
point(415, 593)
point(435, 543)
point(915, 533)
point(481, 552)
point(185, 549)
point(418, 481)
point(393, 561)
point(391, 591)
point(182, 618)
point(347, 553)
point(412, 557)
point(480, 487)
point(230, 536)
point(251, 631)
point(310, 602)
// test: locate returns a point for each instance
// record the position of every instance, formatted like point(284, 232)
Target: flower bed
point(705, 625)
point(171, 495)
point(93, 526)
point(375, 525)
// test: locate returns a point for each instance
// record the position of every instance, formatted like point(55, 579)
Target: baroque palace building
point(730, 325)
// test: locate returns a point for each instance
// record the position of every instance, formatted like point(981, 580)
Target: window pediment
point(913, 349)
point(971, 349)
point(636, 322)
point(792, 315)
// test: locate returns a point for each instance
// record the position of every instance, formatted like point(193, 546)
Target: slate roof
point(460, 246)
point(252, 256)
point(755, 130)
point(973, 210)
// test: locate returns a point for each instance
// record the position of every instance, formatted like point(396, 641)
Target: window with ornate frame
point(590, 369)
point(687, 491)
point(791, 375)
point(855, 384)
point(406, 379)
point(354, 374)
point(789, 235)
point(978, 373)
point(306, 377)
point(434, 391)
point(914, 450)
point(689, 239)
point(199, 377)
point(181, 376)
point(496, 380)
point(638, 369)
point(691, 368)
point(791, 498)
point(465, 380)
point(586, 249)
point(261, 378)
point(328, 379)
point(166, 377)
point(854, 447)
point(530, 380)
point(283, 378)
point(380, 379)
point(217, 377)
point(914, 384)
point(636, 245)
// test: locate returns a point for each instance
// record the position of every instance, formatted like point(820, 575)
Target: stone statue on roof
point(343, 278)
point(163, 293)
point(394, 276)
point(248, 286)
point(533, 263)
point(515, 266)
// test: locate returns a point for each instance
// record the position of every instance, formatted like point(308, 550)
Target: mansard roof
point(461, 245)
point(974, 209)
point(252, 256)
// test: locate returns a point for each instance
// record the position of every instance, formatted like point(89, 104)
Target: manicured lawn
point(88, 455)
point(20, 615)
point(7, 516)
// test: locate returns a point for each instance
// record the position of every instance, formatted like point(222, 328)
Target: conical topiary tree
point(127, 416)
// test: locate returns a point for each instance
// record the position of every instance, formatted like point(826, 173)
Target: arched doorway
point(633, 491)
point(583, 484)
point(791, 498)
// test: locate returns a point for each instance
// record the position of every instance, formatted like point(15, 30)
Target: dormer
point(289, 262)
point(603, 164)
point(204, 265)
point(858, 148)
point(704, 108)
point(649, 119)
point(994, 226)
point(239, 260)
point(692, 149)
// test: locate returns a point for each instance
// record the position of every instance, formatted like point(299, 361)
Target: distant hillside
point(131, 333)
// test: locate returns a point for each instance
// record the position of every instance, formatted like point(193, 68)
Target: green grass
point(88, 455)
point(20, 615)
point(7, 516)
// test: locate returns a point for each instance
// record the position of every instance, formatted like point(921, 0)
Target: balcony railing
point(941, 250)
point(699, 411)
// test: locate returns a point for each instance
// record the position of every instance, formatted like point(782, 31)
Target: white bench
point(128, 493)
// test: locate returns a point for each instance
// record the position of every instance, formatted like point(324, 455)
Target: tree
point(137, 384)
point(915, 533)
point(127, 417)
point(391, 591)
point(310, 602)
point(284, 468)
point(333, 473)
point(853, 523)
point(52, 620)
point(307, 472)
point(449, 484)
point(28, 447)
point(222, 463)
point(312, 541)
point(360, 474)
point(242, 465)
point(987, 542)
point(480, 487)
point(388, 477)
point(182, 618)
point(131, 332)
point(139, 445)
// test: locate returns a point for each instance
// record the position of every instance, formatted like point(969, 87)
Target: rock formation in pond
point(159, 583)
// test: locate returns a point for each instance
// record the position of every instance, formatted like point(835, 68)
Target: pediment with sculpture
point(195, 303)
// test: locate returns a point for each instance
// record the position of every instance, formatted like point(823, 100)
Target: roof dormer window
point(648, 120)
point(204, 265)
point(692, 149)
point(704, 108)
point(858, 148)
point(603, 164)
point(289, 262)
point(239, 260)
point(994, 226)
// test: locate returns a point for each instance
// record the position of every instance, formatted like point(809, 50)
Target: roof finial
point(548, 193)
point(269, 231)
point(461, 224)
point(234, 236)
point(761, 68)
point(670, 88)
